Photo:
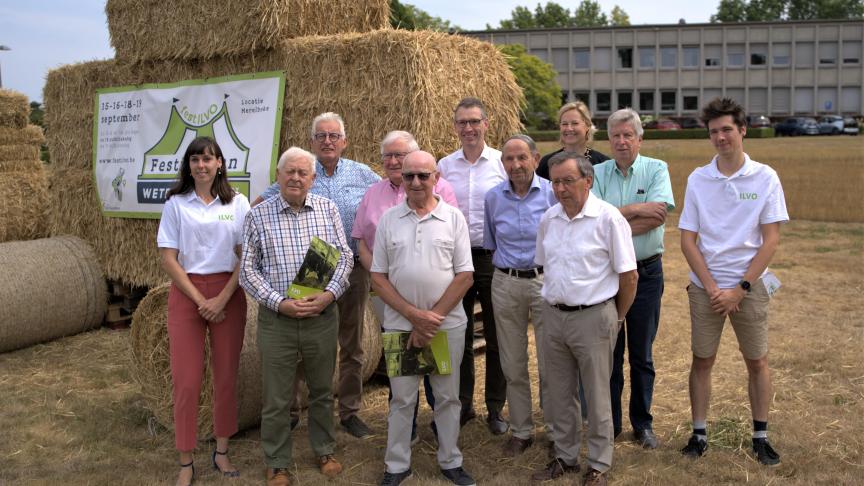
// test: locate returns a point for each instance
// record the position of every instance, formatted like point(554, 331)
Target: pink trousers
point(186, 333)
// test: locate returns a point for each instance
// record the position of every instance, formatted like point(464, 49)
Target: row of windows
point(669, 57)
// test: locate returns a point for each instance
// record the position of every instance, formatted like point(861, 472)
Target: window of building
point(781, 54)
point(581, 59)
point(828, 53)
point(690, 101)
point(647, 57)
point(669, 57)
point(713, 55)
point(543, 54)
point(560, 60)
point(667, 101)
point(736, 94)
point(758, 54)
point(735, 55)
point(602, 59)
point(565, 97)
point(690, 56)
point(625, 99)
point(604, 101)
point(646, 100)
point(851, 52)
point(804, 54)
point(625, 58)
point(583, 96)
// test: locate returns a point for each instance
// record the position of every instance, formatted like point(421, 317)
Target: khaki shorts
point(750, 323)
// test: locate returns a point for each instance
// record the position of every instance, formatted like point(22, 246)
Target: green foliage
point(520, 18)
point(768, 10)
point(36, 113)
point(537, 80)
point(553, 15)
point(587, 14)
point(619, 17)
point(730, 11)
point(409, 17)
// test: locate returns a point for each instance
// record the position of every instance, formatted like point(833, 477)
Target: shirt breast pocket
point(397, 253)
point(442, 253)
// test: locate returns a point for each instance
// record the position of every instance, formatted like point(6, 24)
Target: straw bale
point(25, 204)
point(140, 29)
point(28, 165)
point(13, 153)
point(424, 75)
point(151, 367)
point(29, 134)
point(51, 288)
point(14, 109)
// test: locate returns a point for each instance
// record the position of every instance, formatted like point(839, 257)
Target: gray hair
point(532, 146)
point(328, 116)
point(470, 102)
point(625, 115)
point(582, 162)
point(402, 135)
point(296, 153)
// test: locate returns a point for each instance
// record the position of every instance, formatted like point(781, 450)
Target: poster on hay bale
point(140, 134)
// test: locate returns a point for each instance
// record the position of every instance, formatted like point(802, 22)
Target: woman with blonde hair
point(577, 132)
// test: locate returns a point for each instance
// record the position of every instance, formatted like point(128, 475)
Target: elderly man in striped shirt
point(276, 236)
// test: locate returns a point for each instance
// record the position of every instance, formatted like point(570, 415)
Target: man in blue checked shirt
point(512, 212)
point(276, 236)
point(344, 182)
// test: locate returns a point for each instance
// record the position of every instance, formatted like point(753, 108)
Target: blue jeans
point(638, 333)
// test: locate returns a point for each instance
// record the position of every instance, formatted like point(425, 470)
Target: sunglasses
point(423, 176)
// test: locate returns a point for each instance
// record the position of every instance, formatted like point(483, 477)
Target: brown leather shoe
point(278, 477)
point(516, 446)
point(330, 467)
point(555, 469)
point(594, 478)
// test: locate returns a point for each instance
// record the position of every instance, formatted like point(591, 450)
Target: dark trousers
point(643, 319)
point(496, 384)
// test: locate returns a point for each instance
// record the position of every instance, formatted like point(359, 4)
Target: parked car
point(662, 124)
point(758, 121)
point(850, 126)
point(797, 126)
point(690, 122)
point(831, 125)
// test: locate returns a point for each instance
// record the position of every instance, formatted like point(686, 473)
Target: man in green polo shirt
point(640, 188)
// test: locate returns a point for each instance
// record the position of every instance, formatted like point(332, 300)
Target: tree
point(537, 80)
point(772, 10)
point(765, 10)
point(409, 17)
point(589, 14)
point(730, 11)
point(553, 15)
point(520, 18)
point(619, 17)
point(825, 9)
point(36, 113)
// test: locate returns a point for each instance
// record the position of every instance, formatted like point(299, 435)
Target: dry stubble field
point(71, 413)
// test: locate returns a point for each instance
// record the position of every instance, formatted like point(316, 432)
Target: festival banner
point(140, 134)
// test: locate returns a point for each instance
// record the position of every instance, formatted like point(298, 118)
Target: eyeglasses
point(400, 156)
point(568, 181)
point(464, 123)
point(423, 176)
point(332, 136)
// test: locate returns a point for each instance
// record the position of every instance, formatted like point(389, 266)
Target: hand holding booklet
point(317, 269)
point(404, 360)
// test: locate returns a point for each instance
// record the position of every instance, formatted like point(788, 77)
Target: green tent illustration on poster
point(162, 160)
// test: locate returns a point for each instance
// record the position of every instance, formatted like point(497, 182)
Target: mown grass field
point(71, 414)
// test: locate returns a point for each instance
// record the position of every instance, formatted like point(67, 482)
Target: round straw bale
point(51, 288)
point(25, 204)
point(151, 365)
point(14, 109)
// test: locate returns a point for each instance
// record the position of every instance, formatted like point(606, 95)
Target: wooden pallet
point(123, 299)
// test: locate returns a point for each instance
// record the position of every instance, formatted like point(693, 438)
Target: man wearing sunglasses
point(473, 170)
point(344, 182)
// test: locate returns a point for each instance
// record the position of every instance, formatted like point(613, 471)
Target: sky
point(46, 34)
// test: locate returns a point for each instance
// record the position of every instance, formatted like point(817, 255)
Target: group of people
point(571, 243)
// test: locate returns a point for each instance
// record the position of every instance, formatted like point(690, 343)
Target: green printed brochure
point(316, 271)
point(404, 361)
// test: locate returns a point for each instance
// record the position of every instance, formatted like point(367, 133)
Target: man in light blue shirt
point(640, 188)
point(512, 211)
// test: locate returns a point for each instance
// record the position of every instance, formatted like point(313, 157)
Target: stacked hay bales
point(23, 180)
point(378, 81)
point(51, 287)
point(141, 30)
point(151, 366)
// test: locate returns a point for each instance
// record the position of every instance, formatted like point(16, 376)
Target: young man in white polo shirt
point(735, 206)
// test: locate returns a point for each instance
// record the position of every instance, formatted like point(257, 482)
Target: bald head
point(419, 160)
point(419, 175)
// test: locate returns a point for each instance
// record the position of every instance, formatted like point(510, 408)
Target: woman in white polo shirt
point(199, 242)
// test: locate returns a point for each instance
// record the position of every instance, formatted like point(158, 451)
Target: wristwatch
point(745, 285)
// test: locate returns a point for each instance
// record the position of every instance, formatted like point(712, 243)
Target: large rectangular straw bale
point(26, 165)
point(192, 29)
point(13, 153)
point(380, 81)
point(25, 204)
point(30, 134)
point(14, 109)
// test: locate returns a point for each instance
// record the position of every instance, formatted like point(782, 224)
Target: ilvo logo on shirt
point(748, 195)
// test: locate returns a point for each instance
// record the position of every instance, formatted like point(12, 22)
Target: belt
point(574, 308)
point(649, 260)
point(522, 273)
point(478, 250)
